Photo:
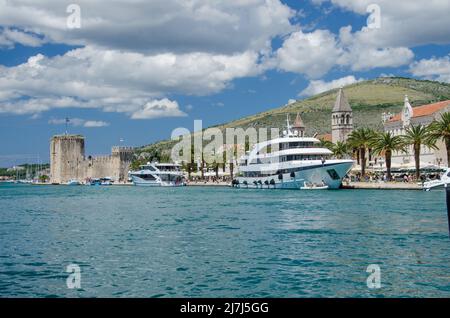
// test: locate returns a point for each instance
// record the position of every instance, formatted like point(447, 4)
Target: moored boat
point(73, 182)
point(158, 175)
point(444, 181)
point(294, 162)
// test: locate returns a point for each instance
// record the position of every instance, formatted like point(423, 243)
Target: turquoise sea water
point(221, 242)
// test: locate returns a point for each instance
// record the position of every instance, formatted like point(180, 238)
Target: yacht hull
point(154, 183)
point(300, 175)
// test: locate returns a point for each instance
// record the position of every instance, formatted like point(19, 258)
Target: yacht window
point(333, 174)
point(148, 177)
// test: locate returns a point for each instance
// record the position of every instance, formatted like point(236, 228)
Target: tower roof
point(341, 104)
point(298, 123)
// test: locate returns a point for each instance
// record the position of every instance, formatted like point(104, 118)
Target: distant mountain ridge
point(368, 99)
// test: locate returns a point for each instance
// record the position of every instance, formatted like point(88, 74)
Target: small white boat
point(313, 186)
point(73, 182)
point(441, 183)
point(106, 181)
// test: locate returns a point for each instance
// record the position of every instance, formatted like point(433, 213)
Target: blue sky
point(138, 72)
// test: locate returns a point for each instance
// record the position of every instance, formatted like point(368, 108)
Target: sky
point(129, 72)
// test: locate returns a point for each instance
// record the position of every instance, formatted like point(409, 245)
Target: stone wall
point(68, 161)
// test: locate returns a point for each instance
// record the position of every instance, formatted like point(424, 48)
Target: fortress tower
point(66, 158)
point(122, 156)
point(341, 118)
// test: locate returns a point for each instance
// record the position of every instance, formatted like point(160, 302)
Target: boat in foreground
point(444, 181)
point(158, 175)
point(294, 162)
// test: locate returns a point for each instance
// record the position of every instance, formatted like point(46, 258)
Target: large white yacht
point(297, 163)
point(158, 175)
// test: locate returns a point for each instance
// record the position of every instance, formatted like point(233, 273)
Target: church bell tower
point(341, 118)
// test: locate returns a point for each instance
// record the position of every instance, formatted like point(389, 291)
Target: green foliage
point(360, 140)
point(340, 149)
point(326, 144)
point(33, 169)
point(44, 178)
point(383, 142)
point(416, 136)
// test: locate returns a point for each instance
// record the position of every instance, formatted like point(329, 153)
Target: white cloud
point(291, 101)
point(116, 81)
point(433, 69)
point(95, 123)
point(132, 57)
point(404, 23)
point(319, 86)
point(156, 26)
point(158, 108)
point(9, 37)
point(313, 54)
point(79, 122)
point(360, 54)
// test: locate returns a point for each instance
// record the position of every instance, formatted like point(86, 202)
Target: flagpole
point(67, 124)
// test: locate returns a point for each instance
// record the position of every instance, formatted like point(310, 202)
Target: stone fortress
point(68, 161)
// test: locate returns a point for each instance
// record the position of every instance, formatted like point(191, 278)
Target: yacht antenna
point(288, 126)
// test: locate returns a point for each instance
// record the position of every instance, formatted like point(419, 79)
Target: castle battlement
point(68, 137)
point(122, 149)
point(101, 158)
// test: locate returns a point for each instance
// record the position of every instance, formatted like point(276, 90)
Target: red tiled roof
point(424, 110)
point(325, 137)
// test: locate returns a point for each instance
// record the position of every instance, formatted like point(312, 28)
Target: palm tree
point(326, 144)
point(386, 143)
point(441, 129)
point(416, 136)
point(360, 139)
point(340, 149)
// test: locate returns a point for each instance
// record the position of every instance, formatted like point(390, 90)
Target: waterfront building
point(68, 161)
point(424, 115)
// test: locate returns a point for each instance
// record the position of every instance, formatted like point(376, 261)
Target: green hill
point(368, 99)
